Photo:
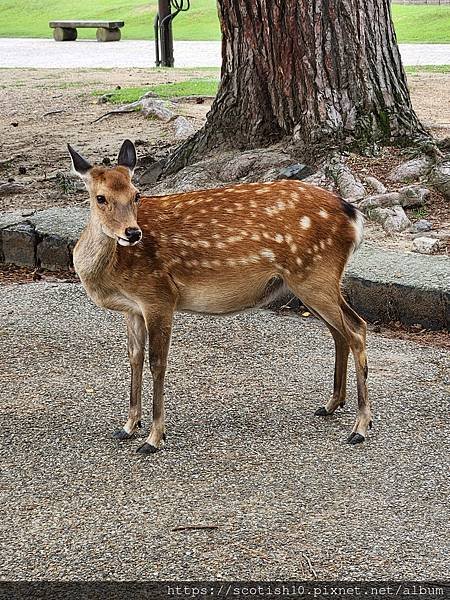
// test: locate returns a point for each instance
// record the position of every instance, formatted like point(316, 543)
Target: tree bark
point(322, 73)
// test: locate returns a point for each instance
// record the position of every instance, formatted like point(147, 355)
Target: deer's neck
point(95, 254)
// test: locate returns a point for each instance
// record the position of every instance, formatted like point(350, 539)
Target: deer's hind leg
point(137, 335)
point(349, 331)
point(342, 350)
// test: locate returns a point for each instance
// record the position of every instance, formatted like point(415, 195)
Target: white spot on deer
point(289, 239)
point(204, 243)
point(203, 211)
point(266, 235)
point(231, 262)
point(238, 205)
point(229, 210)
point(254, 258)
point(323, 213)
point(279, 238)
point(316, 248)
point(267, 253)
point(262, 190)
point(256, 237)
point(214, 221)
point(253, 204)
point(205, 263)
point(305, 222)
point(216, 263)
point(234, 238)
point(280, 205)
point(293, 248)
point(329, 241)
point(194, 263)
point(220, 245)
point(322, 244)
point(299, 261)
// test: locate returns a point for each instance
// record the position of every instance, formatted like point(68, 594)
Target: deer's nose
point(133, 234)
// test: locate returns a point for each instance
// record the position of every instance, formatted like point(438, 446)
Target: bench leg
point(108, 35)
point(64, 34)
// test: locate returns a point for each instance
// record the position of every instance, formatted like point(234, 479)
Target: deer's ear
point(80, 165)
point(127, 156)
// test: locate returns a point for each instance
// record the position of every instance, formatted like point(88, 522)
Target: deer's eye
point(137, 197)
point(101, 199)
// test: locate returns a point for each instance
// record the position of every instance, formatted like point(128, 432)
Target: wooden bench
point(107, 31)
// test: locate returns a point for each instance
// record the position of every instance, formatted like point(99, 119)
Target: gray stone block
point(54, 253)
point(19, 244)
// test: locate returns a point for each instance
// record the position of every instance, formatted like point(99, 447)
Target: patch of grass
point(426, 24)
point(419, 213)
point(190, 87)
point(29, 18)
point(428, 69)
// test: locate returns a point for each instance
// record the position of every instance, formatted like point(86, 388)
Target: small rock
point(425, 245)
point(440, 177)
point(183, 128)
point(297, 171)
point(151, 174)
point(421, 225)
point(411, 169)
point(375, 184)
point(392, 219)
point(28, 213)
point(22, 170)
point(413, 196)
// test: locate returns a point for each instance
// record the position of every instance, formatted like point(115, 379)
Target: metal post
point(165, 33)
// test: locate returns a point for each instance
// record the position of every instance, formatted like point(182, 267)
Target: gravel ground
point(289, 498)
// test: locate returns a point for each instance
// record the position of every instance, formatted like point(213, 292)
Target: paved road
point(46, 53)
point(245, 453)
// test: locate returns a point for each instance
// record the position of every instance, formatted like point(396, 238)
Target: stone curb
point(381, 285)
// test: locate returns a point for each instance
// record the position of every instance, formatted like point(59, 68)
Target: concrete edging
point(381, 285)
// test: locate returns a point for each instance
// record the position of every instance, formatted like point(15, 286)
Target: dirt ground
point(42, 110)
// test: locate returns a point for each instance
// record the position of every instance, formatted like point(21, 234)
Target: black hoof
point(146, 449)
point(121, 434)
point(370, 424)
point(355, 438)
point(321, 412)
point(139, 424)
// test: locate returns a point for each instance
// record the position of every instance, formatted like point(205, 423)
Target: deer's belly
point(229, 298)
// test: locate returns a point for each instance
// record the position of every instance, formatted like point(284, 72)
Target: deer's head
point(114, 198)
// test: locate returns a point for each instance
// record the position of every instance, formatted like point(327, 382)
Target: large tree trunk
point(324, 73)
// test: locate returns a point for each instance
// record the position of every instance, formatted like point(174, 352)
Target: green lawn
point(190, 87)
point(422, 24)
point(29, 18)
point(428, 69)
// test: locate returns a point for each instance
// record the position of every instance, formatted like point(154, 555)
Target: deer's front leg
point(137, 333)
point(159, 329)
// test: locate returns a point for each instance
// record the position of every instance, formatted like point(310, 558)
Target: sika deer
point(216, 251)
